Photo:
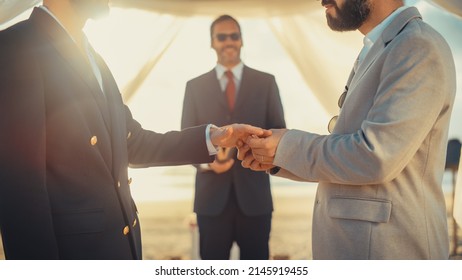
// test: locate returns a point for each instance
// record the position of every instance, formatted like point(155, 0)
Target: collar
point(237, 70)
point(375, 33)
point(45, 9)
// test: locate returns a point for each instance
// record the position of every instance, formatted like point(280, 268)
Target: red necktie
point(230, 90)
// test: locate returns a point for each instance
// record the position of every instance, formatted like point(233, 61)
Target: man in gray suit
point(380, 170)
point(232, 203)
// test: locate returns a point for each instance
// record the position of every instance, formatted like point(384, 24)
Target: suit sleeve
point(409, 101)
point(189, 114)
point(25, 212)
point(148, 148)
point(275, 117)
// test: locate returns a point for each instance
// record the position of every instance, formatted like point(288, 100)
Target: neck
point(230, 65)
point(380, 10)
point(67, 16)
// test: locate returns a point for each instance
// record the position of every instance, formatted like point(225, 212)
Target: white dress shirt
point(375, 33)
point(237, 74)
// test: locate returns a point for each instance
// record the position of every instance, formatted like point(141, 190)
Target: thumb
point(225, 134)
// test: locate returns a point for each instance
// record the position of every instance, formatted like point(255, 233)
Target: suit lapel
point(68, 50)
point(117, 116)
point(387, 36)
point(99, 96)
point(244, 89)
point(376, 49)
point(216, 94)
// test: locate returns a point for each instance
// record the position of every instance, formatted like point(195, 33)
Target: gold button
point(129, 134)
point(118, 184)
point(130, 180)
point(93, 140)
point(126, 230)
point(134, 222)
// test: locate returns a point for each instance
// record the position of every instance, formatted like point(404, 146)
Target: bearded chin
point(338, 24)
point(349, 17)
point(91, 8)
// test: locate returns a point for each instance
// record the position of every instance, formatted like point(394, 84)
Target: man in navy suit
point(232, 203)
point(67, 140)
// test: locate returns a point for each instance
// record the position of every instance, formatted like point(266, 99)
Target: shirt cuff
point(210, 147)
point(203, 167)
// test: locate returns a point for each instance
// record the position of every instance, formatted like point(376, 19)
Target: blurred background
point(154, 50)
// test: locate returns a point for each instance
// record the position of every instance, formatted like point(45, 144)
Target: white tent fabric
point(239, 8)
point(288, 19)
point(12, 8)
point(130, 89)
point(245, 7)
point(324, 72)
point(9, 9)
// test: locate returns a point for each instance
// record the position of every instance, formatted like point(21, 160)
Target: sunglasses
point(341, 100)
point(221, 37)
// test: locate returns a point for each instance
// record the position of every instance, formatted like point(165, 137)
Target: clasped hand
point(258, 153)
point(256, 146)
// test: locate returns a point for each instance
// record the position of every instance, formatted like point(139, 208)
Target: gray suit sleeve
point(411, 102)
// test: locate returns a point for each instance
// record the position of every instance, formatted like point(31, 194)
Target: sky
point(127, 38)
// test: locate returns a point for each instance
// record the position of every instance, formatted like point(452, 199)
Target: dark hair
point(221, 19)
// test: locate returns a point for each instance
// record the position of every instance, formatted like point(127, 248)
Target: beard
point(350, 16)
point(93, 9)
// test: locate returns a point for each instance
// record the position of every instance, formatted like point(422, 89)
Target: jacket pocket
point(79, 222)
point(363, 209)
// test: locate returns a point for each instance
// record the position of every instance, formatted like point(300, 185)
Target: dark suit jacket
point(258, 103)
point(65, 150)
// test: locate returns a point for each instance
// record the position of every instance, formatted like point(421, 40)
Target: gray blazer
point(380, 171)
point(258, 103)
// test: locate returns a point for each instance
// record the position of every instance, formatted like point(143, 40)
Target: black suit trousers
point(217, 233)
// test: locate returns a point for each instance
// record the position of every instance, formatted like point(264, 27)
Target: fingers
point(248, 139)
point(221, 167)
point(228, 136)
point(252, 130)
point(261, 167)
point(250, 162)
point(242, 151)
point(263, 159)
point(220, 135)
point(261, 148)
point(255, 142)
point(266, 133)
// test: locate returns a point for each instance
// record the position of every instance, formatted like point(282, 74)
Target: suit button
point(129, 134)
point(134, 222)
point(118, 184)
point(93, 140)
point(126, 230)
